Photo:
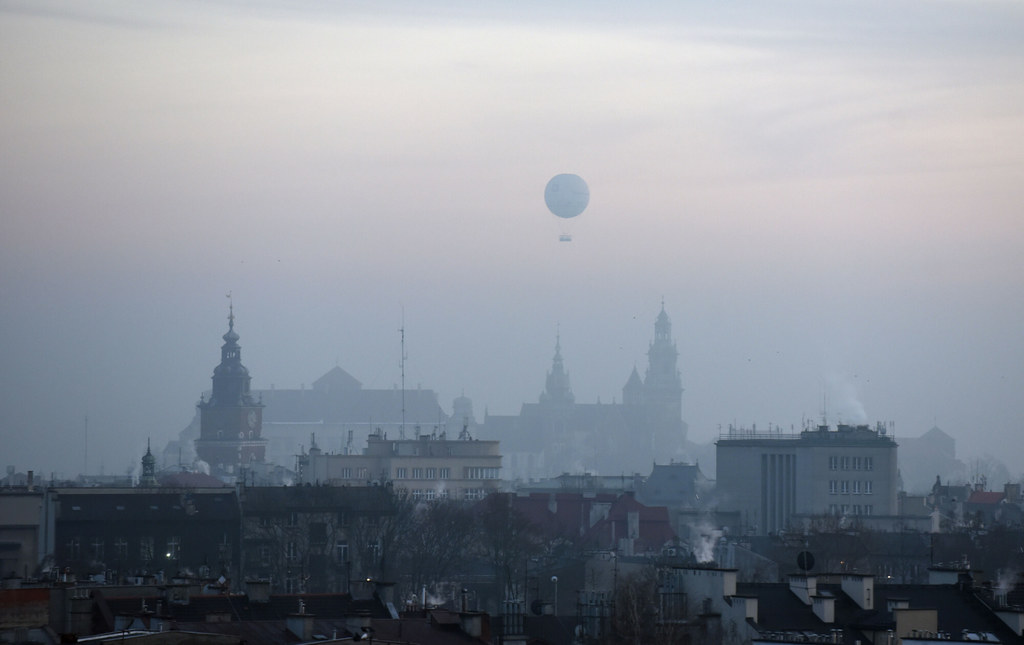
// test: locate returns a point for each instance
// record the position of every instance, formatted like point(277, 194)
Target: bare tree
point(441, 535)
point(506, 538)
point(379, 536)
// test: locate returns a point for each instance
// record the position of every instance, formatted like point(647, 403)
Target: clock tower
point(230, 422)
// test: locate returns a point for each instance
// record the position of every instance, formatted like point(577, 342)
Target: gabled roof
point(337, 406)
point(336, 379)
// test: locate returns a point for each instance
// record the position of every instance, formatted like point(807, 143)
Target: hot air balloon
point(567, 196)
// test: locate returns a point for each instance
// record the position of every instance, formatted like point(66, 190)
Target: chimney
point(301, 624)
point(805, 587)
point(825, 608)
point(475, 624)
point(861, 589)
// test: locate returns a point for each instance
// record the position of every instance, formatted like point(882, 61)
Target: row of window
point(481, 472)
point(360, 473)
point(95, 549)
point(848, 509)
point(847, 462)
point(843, 487)
point(401, 472)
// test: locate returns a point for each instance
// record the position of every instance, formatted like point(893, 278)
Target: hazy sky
point(826, 194)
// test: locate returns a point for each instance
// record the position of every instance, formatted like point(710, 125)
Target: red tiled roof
point(985, 497)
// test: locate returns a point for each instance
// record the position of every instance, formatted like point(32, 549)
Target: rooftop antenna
point(401, 330)
point(85, 467)
point(824, 405)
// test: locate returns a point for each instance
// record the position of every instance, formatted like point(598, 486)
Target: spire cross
point(231, 312)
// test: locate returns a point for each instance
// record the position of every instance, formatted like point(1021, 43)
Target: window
point(856, 487)
point(845, 487)
point(869, 463)
point(224, 549)
point(363, 473)
point(96, 552)
point(346, 473)
point(400, 472)
point(146, 548)
point(867, 487)
point(417, 473)
point(869, 509)
point(291, 552)
point(120, 548)
point(72, 548)
point(856, 509)
point(833, 509)
point(474, 494)
point(856, 463)
point(341, 550)
point(428, 494)
point(846, 509)
point(444, 473)
point(846, 463)
point(442, 494)
point(431, 473)
point(293, 519)
point(833, 487)
point(833, 463)
point(173, 547)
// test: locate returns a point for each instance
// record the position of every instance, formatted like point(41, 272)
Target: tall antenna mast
point(401, 330)
point(85, 470)
point(824, 405)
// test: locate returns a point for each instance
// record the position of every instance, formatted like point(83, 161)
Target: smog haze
point(826, 197)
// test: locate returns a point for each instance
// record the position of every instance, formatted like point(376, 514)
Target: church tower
point(663, 388)
point(230, 422)
point(557, 390)
point(148, 478)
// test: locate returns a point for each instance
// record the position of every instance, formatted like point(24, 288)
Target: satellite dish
point(566, 196)
point(805, 560)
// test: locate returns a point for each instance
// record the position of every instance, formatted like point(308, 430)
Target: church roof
point(348, 405)
point(337, 379)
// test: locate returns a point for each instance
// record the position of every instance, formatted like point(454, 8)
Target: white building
point(774, 480)
point(430, 466)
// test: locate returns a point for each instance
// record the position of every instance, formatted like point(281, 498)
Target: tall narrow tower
point(230, 422)
point(663, 389)
point(557, 390)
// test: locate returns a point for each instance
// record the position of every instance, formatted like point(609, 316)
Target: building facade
point(774, 480)
point(430, 466)
point(120, 533)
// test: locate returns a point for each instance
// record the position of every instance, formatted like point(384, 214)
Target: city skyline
point(826, 198)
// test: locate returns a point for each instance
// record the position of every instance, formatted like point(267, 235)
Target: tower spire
point(557, 388)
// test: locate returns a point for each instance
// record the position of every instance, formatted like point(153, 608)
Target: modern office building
point(773, 479)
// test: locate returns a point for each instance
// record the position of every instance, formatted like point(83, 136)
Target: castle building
point(231, 420)
point(559, 435)
point(775, 480)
